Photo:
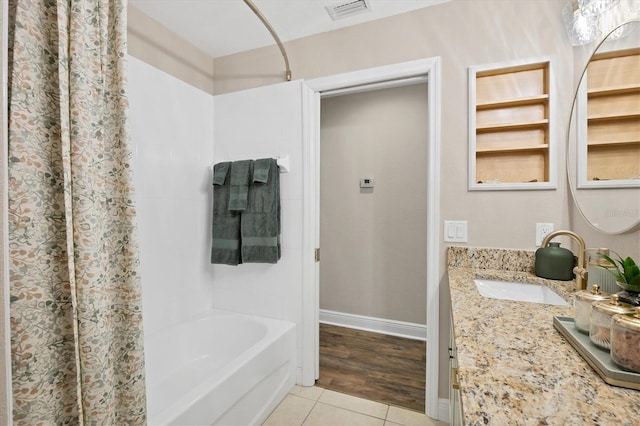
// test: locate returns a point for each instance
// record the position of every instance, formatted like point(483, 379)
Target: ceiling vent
point(350, 8)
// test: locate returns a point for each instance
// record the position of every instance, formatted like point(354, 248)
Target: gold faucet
point(580, 270)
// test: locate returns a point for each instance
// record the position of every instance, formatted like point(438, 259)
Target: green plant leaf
point(626, 270)
point(628, 263)
point(608, 259)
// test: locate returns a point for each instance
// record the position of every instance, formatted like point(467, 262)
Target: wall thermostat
point(366, 182)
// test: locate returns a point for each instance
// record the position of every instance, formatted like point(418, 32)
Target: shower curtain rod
point(266, 23)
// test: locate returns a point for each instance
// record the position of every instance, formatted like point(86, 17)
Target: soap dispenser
point(554, 262)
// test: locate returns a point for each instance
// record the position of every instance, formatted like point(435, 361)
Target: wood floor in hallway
point(374, 366)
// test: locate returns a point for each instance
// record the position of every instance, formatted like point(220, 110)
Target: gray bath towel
point(240, 176)
point(225, 244)
point(260, 223)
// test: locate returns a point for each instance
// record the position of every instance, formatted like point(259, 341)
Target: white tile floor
point(317, 406)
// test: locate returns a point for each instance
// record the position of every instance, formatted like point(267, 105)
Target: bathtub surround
point(76, 319)
point(268, 122)
point(172, 133)
point(174, 194)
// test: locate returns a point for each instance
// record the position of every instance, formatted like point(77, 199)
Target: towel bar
point(283, 164)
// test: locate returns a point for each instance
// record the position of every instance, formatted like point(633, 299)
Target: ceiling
point(223, 27)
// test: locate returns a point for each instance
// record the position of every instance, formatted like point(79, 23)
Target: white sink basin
point(520, 292)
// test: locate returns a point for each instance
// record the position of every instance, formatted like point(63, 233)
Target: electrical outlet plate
point(366, 182)
point(542, 230)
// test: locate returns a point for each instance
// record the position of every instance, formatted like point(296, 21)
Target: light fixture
point(596, 7)
point(587, 20)
point(581, 28)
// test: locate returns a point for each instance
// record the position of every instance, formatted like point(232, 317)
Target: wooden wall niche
point(609, 137)
point(510, 126)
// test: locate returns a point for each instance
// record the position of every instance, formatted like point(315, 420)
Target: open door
point(385, 76)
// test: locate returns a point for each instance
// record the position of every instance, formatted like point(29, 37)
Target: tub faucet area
point(580, 270)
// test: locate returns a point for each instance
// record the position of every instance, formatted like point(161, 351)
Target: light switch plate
point(455, 231)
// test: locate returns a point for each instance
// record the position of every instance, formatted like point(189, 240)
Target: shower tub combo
point(219, 368)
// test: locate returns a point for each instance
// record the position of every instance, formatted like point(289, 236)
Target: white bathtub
point(219, 368)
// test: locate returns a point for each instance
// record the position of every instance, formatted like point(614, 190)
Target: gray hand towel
point(220, 172)
point(238, 195)
point(225, 244)
point(260, 223)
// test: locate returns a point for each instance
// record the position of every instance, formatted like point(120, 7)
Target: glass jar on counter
point(600, 271)
point(582, 306)
point(600, 319)
point(625, 340)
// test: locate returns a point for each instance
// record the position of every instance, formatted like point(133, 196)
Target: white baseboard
point(378, 325)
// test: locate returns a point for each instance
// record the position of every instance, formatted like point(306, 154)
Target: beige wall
point(373, 240)
point(5, 359)
point(154, 44)
point(463, 33)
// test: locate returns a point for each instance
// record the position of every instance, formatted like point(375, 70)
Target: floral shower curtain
point(76, 320)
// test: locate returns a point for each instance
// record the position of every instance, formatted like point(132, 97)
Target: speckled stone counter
point(514, 367)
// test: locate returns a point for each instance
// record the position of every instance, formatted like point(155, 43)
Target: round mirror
point(603, 146)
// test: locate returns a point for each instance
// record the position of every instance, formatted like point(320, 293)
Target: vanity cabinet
point(510, 129)
point(455, 403)
point(612, 98)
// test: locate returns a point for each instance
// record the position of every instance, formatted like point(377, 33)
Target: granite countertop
point(514, 367)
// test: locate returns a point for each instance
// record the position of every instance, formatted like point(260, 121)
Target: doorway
point(371, 79)
point(373, 191)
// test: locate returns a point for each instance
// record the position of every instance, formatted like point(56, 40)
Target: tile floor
point(318, 406)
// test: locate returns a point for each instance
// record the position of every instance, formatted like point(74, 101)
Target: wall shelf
point(609, 97)
point(540, 124)
point(608, 144)
point(510, 143)
point(541, 147)
point(612, 91)
point(532, 100)
point(613, 118)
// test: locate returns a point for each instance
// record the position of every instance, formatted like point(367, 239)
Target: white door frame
point(431, 68)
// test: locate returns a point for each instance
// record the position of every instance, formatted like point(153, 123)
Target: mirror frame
point(573, 127)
